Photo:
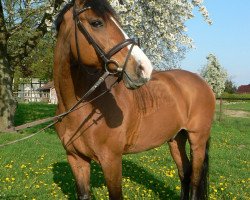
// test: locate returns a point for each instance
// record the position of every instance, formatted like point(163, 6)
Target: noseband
point(106, 57)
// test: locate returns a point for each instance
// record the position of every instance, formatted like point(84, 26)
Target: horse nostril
point(141, 67)
point(141, 71)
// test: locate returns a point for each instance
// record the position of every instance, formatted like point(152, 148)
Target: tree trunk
point(7, 102)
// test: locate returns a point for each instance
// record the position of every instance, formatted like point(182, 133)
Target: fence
point(32, 96)
point(228, 99)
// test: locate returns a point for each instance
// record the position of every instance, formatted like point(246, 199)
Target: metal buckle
point(117, 70)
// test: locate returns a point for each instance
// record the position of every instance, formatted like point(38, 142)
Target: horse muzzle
point(133, 83)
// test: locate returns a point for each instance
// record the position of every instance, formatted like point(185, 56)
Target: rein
point(106, 58)
point(58, 118)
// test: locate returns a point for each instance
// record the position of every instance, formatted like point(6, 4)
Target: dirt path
point(237, 113)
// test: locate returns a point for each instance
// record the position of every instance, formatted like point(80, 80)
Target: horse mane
point(101, 7)
point(59, 17)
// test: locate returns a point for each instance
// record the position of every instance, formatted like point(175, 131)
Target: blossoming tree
point(160, 25)
point(214, 74)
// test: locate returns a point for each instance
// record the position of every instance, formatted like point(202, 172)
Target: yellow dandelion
point(8, 166)
point(177, 187)
point(23, 166)
point(169, 174)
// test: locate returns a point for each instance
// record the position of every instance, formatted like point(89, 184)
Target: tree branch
point(33, 40)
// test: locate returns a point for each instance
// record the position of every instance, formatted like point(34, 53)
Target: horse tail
point(203, 189)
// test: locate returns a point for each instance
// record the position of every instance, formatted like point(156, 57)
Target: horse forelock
point(101, 7)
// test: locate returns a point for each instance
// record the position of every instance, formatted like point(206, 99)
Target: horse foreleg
point(112, 169)
point(81, 169)
point(178, 152)
point(199, 156)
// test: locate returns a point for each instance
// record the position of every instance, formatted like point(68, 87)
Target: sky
point(228, 38)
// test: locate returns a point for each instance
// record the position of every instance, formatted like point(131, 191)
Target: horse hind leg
point(178, 152)
point(80, 167)
point(199, 146)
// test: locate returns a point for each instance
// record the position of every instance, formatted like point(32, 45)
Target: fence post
point(220, 117)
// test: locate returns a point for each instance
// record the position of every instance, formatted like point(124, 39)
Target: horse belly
point(154, 130)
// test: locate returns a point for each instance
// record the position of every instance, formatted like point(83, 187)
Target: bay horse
point(141, 111)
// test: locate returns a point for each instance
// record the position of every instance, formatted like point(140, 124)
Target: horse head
point(98, 41)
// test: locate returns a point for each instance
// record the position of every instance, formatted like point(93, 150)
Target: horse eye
point(96, 23)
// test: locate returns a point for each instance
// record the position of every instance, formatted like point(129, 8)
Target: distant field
point(237, 105)
point(37, 168)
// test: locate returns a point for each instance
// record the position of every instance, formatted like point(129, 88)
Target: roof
point(47, 86)
point(244, 89)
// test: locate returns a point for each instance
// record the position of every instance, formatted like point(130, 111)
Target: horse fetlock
point(84, 197)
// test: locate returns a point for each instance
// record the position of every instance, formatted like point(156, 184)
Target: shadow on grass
point(64, 178)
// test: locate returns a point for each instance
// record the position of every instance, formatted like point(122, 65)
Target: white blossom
point(50, 10)
point(48, 24)
point(159, 24)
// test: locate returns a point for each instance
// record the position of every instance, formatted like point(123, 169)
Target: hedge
point(235, 96)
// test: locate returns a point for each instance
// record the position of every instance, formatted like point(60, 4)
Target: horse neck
point(77, 80)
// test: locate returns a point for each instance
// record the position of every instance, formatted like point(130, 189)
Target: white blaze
point(138, 55)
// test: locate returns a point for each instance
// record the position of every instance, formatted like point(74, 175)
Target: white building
point(35, 90)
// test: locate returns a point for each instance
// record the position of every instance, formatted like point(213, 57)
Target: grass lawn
point(37, 168)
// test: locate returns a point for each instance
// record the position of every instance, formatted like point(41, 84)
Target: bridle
point(105, 56)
